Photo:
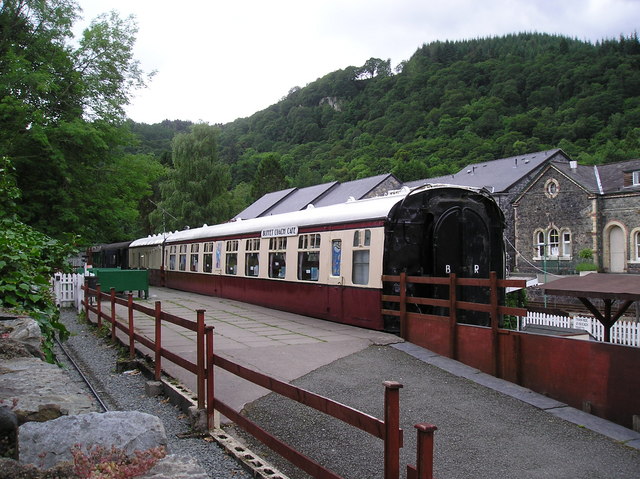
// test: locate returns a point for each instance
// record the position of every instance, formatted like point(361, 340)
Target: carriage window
point(361, 238)
point(193, 259)
point(277, 257)
point(172, 257)
point(207, 266)
point(336, 257)
point(182, 258)
point(232, 257)
point(309, 257)
point(252, 248)
point(360, 266)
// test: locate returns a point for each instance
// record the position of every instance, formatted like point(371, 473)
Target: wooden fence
point(387, 429)
point(410, 320)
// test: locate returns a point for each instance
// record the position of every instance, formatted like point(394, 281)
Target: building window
point(308, 257)
point(336, 257)
point(540, 244)
point(182, 258)
point(637, 245)
point(566, 243)
point(635, 178)
point(232, 257)
point(252, 257)
point(193, 258)
point(551, 188)
point(277, 257)
point(207, 258)
point(554, 242)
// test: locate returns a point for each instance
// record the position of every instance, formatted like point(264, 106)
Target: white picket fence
point(624, 331)
point(67, 290)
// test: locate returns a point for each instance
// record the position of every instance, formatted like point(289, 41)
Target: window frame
point(277, 255)
point(252, 257)
point(231, 257)
point(309, 257)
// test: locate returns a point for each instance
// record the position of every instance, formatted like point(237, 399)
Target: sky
point(219, 60)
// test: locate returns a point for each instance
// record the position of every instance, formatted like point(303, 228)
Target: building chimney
point(573, 164)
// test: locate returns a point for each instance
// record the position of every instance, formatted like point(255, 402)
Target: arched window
point(637, 245)
point(554, 242)
point(539, 244)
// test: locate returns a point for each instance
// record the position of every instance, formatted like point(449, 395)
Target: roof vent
point(526, 161)
point(310, 206)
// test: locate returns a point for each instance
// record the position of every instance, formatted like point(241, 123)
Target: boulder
point(23, 329)
point(48, 443)
point(39, 391)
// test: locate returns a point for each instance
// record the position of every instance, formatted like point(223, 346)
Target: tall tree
point(269, 177)
point(196, 188)
point(61, 118)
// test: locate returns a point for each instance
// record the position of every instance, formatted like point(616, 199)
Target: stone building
point(569, 208)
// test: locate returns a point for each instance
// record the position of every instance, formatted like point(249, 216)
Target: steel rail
point(84, 378)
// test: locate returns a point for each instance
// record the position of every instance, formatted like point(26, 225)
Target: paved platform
point(283, 345)
point(488, 427)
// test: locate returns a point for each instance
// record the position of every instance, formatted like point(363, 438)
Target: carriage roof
point(352, 211)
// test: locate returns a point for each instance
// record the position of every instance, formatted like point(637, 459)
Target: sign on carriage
point(284, 231)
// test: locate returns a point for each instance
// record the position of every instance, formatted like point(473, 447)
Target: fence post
point(453, 316)
point(113, 313)
point(403, 305)
point(200, 351)
point(424, 459)
point(495, 360)
point(211, 421)
point(158, 342)
point(132, 349)
point(392, 434)
point(99, 305)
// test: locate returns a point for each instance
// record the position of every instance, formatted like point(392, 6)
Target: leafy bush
point(28, 259)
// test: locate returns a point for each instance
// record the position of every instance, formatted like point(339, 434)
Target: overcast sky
point(221, 60)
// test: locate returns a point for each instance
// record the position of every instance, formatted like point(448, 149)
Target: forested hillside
point(450, 104)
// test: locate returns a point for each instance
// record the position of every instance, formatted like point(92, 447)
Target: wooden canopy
point(608, 287)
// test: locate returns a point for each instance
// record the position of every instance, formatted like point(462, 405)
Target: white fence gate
point(67, 290)
point(626, 332)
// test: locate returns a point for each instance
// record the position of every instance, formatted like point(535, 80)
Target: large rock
point(45, 444)
point(39, 391)
point(21, 329)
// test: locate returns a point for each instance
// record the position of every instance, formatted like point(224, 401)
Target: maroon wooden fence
point(600, 378)
point(387, 429)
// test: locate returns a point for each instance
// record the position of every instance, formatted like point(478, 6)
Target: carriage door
point(461, 245)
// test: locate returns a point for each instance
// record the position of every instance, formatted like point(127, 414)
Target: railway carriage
point(328, 262)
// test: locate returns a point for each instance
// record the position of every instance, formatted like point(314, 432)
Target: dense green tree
point(61, 119)
point(196, 188)
point(269, 177)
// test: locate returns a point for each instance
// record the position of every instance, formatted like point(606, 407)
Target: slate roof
point(296, 199)
point(300, 198)
point(497, 175)
point(586, 176)
point(263, 204)
point(612, 176)
point(356, 188)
